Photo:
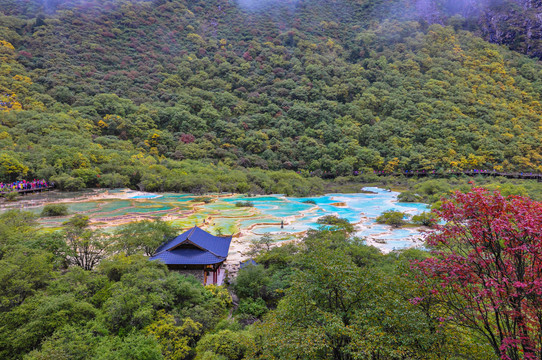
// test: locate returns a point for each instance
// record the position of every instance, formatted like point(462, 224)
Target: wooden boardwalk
point(445, 174)
point(28, 191)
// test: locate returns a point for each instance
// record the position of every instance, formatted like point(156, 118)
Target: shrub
point(67, 182)
point(425, 219)
point(204, 199)
point(89, 176)
point(392, 218)
point(11, 196)
point(433, 190)
point(54, 210)
point(334, 223)
point(409, 196)
point(225, 344)
point(114, 181)
point(252, 307)
point(251, 282)
point(309, 202)
point(244, 204)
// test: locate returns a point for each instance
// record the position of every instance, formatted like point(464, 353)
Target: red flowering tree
point(487, 269)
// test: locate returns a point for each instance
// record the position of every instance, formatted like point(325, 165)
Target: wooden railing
point(26, 191)
point(423, 173)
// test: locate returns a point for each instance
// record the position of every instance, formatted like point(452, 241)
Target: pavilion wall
point(215, 274)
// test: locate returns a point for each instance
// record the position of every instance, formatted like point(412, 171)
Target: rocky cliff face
point(515, 23)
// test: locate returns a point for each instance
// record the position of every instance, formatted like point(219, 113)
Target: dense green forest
point(83, 294)
point(197, 95)
point(130, 308)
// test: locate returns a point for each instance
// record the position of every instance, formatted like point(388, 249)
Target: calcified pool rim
point(109, 209)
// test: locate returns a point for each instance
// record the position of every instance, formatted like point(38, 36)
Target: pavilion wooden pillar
point(206, 270)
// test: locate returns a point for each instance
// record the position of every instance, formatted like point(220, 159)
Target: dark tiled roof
point(210, 249)
point(187, 257)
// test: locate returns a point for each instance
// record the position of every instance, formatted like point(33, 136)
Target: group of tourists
point(24, 185)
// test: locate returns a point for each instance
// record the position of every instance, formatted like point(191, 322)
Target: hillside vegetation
point(124, 93)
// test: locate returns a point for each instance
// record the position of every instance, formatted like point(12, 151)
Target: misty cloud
point(263, 4)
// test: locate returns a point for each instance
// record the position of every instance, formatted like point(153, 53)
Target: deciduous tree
point(487, 268)
point(86, 247)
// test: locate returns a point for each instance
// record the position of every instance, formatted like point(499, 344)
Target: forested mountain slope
point(121, 90)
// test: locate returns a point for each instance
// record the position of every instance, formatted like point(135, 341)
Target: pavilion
point(196, 252)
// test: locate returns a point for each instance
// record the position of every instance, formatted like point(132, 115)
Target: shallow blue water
point(146, 196)
point(395, 245)
point(298, 216)
point(361, 208)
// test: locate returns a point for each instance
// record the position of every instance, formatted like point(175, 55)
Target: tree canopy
point(189, 95)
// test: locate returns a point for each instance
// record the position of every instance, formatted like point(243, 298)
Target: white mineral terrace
point(284, 218)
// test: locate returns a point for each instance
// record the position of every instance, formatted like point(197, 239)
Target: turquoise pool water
point(83, 207)
point(146, 196)
point(112, 205)
point(297, 215)
point(248, 223)
point(361, 209)
point(138, 210)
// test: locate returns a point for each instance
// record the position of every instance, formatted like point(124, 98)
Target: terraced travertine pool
point(111, 209)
